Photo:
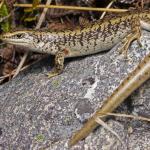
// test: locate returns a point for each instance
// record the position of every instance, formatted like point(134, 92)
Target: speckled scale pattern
point(95, 38)
point(99, 36)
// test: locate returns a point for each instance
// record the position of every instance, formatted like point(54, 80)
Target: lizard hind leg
point(134, 35)
point(59, 64)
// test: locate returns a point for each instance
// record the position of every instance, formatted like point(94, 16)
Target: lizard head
point(32, 40)
point(19, 38)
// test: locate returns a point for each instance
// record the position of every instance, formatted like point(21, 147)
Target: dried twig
point(1, 3)
point(103, 124)
point(109, 5)
point(72, 8)
point(127, 116)
point(42, 17)
point(21, 64)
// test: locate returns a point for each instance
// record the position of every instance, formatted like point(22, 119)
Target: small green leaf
point(5, 25)
point(56, 83)
point(29, 19)
point(28, 10)
point(31, 13)
point(39, 138)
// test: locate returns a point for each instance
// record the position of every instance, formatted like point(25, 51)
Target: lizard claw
point(52, 74)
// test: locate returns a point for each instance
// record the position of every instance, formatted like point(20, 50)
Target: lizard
point(96, 37)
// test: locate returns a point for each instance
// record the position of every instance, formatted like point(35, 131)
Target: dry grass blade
point(109, 5)
point(21, 64)
point(1, 3)
point(127, 116)
point(42, 17)
point(103, 124)
point(72, 8)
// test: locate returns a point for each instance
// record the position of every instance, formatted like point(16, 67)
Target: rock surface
point(41, 113)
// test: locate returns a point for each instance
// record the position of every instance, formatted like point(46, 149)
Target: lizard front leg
point(134, 35)
point(59, 63)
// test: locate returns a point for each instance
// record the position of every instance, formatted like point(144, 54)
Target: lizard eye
point(19, 35)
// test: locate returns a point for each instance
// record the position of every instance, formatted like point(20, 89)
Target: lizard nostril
point(38, 40)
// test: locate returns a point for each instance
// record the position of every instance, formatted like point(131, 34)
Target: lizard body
point(131, 83)
point(96, 37)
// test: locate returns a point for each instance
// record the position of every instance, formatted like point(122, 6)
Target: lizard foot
point(124, 49)
point(59, 64)
point(53, 73)
point(134, 35)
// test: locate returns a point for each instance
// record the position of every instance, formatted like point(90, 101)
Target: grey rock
point(41, 113)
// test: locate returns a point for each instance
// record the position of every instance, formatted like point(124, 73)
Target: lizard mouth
point(13, 41)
